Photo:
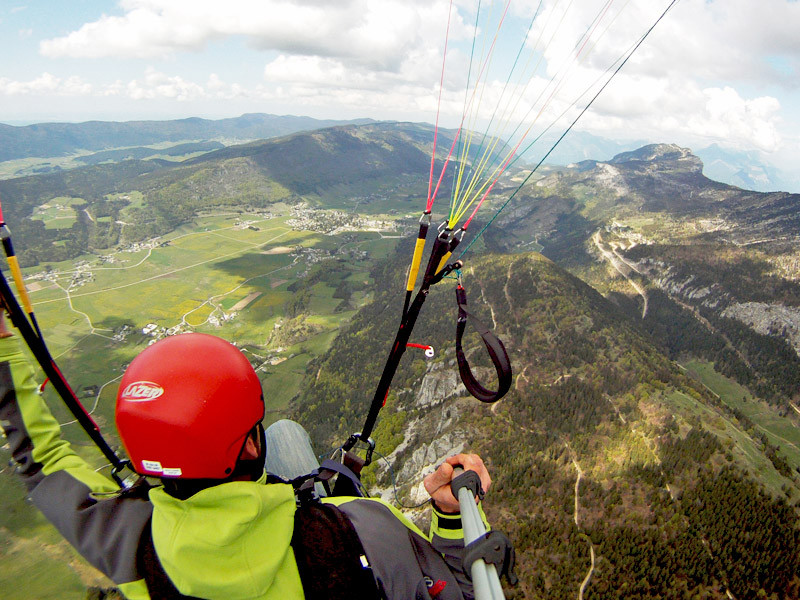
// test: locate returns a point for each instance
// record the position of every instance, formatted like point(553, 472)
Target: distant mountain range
point(648, 446)
point(107, 139)
point(746, 170)
point(58, 139)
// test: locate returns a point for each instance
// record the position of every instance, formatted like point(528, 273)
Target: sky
point(712, 71)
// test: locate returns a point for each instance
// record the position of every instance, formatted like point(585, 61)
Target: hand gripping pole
point(485, 552)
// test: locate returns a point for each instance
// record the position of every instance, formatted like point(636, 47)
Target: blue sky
point(714, 71)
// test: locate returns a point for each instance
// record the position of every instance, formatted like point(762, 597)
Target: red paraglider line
point(547, 103)
point(467, 108)
point(438, 109)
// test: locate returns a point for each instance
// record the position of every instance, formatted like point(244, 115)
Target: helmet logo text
point(142, 391)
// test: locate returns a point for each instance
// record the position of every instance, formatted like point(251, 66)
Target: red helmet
point(186, 405)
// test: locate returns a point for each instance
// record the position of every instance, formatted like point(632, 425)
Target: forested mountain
point(604, 447)
point(249, 175)
point(657, 191)
point(712, 270)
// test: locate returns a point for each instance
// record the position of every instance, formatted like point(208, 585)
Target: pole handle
point(465, 486)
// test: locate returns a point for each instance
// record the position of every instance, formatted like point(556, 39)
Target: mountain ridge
point(592, 398)
point(56, 139)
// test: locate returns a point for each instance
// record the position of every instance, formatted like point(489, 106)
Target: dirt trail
point(505, 289)
point(589, 574)
point(576, 518)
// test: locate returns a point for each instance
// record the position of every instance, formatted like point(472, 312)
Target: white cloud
point(731, 116)
point(730, 39)
point(159, 85)
point(75, 86)
point(682, 111)
point(45, 84)
point(153, 85)
point(217, 88)
point(686, 83)
point(680, 85)
point(713, 39)
point(378, 34)
point(702, 75)
point(316, 81)
point(25, 33)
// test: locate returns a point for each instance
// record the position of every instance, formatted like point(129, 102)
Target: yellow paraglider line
point(462, 205)
point(622, 60)
point(480, 84)
point(470, 195)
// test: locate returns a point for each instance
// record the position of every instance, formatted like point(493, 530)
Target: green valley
point(232, 272)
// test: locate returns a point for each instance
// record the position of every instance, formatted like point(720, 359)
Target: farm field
point(779, 431)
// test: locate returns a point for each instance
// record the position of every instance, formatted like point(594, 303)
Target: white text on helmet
point(141, 391)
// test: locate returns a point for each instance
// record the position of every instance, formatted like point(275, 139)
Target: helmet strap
point(252, 468)
point(246, 469)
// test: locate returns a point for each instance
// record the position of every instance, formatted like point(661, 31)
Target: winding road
point(576, 518)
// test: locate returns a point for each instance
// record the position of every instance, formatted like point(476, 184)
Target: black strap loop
point(494, 346)
point(347, 484)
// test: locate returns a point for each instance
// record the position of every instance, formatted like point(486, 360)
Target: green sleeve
point(49, 450)
point(60, 483)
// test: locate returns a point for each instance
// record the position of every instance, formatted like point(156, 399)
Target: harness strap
point(441, 246)
point(330, 558)
point(349, 470)
point(347, 484)
point(496, 349)
point(159, 585)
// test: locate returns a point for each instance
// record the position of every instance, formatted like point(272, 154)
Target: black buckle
point(351, 442)
point(494, 548)
point(125, 482)
point(446, 270)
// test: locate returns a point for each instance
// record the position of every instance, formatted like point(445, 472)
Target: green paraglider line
point(568, 129)
point(510, 158)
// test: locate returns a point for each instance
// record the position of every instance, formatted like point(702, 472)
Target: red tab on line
point(437, 588)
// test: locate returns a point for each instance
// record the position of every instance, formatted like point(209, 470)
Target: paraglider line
point(568, 129)
point(438, 109)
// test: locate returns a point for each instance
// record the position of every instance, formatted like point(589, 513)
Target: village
point(333, 222)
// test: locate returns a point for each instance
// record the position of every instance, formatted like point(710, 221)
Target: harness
point(330, 557)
